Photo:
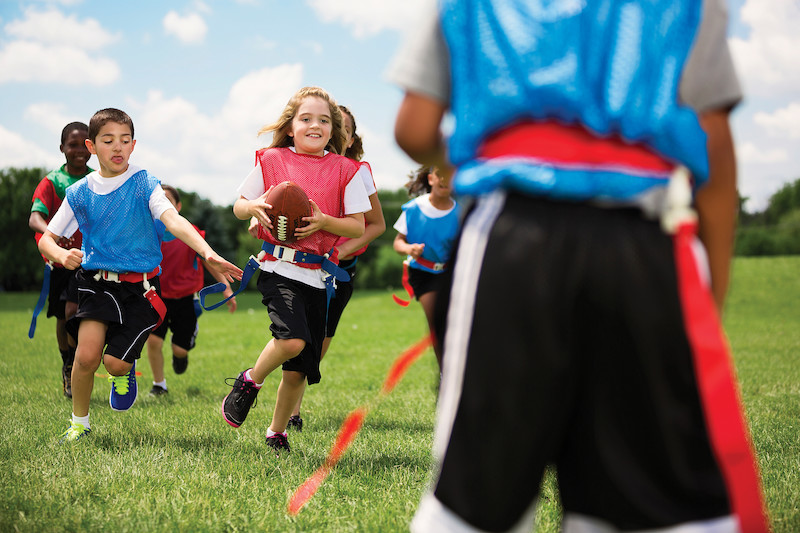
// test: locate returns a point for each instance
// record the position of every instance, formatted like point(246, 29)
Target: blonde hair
point(281, 127)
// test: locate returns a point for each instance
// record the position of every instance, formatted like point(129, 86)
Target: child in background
point(426, 232)
point(349, 249)
point(577, 314)
point(115, 209)
point(307, 139)
point(181, 277)
point(47, 198)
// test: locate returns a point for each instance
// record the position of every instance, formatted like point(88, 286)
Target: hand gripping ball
point(289, 205)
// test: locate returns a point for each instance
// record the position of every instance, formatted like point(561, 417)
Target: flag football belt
point(332, 271)
point(438, 267)
point(138, 277)
point(48, 268)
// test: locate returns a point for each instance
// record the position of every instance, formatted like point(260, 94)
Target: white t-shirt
point(356, 200)
point(427, 208)
point(64, 223)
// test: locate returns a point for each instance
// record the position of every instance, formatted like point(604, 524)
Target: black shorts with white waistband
point(122, 307)
point(565, 345)
point(297, 311)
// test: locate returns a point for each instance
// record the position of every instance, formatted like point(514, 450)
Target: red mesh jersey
point(324, 179)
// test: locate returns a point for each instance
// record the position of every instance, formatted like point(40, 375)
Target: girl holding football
point(307, 138)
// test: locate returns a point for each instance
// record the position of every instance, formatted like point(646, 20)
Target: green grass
point(172, 464)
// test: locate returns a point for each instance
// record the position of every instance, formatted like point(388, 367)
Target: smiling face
point(113, 146)
point(76, 152)
point(440, 187)
point(311, 126)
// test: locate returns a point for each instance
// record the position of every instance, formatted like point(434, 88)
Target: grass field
point(172, 464)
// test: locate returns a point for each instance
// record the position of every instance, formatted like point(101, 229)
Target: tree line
point(774, 231)
point(21, 266)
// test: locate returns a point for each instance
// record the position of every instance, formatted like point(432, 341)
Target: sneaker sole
point(224, 417)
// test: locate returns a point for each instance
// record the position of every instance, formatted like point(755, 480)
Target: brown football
point(289, 205)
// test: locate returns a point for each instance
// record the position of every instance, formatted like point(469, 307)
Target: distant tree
point(21, 266)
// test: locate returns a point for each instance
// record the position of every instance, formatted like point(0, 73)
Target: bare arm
point(351, 226)
point(376, 225)
point(718, 201)
point(48, 246)
point(37, 222)
point(403, 247)
point(183, 229)
point(417, 131)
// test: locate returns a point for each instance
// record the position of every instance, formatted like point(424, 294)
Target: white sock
point(271, 433)
point(162, 384)
point(82, 420)
point(250, 377)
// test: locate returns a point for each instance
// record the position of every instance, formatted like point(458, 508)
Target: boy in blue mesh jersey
point(115, 209)
point(570, 120)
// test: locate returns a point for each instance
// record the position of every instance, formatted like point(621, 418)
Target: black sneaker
point(158, 390)
point(279, 442)
point(237, 403)
point(66, 379)
point(179, 364)
point(295, 423)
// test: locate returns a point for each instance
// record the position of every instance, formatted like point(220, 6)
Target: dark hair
point(356, 150)
point(418, 181)
point(173, 191)
point(72, 126)
point(104, 116)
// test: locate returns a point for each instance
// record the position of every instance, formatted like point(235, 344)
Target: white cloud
point(211, 152)
point(767, 60)
point(51, 47)
point(190, 29)
point(53, 27)
point(51, 116)
point(782, 123)
point(748, 153)
point(368, 17)
point(24, 61)
point(16, 151)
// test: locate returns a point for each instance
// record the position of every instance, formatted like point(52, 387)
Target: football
point(289, 205)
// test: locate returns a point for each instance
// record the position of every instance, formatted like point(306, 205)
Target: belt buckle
point(110, 276)
point(438, 267)
point(284, 253)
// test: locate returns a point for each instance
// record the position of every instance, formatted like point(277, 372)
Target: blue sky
point(199, 78)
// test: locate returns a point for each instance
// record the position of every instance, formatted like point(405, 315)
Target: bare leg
point(156, 357)
point(289, 392)
point(428, 302)
point(91, 341)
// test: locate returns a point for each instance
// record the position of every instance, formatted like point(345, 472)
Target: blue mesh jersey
point(612, 66)
point(438, 234)
point(119, 233)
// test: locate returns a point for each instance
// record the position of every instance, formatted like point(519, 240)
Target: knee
point(86, 360)
point(290, 347)
point(293, 378)
point(116, 367)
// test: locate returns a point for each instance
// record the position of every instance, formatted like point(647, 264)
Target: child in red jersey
point(47, 198)
point(181, 278)
point(307, 139)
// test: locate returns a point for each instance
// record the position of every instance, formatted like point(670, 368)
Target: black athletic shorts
point(63, 289)
point(297, 311)
point(344, 290)
point(566, 346)
point(181, 319)
point(422, 281)
point(122, 306)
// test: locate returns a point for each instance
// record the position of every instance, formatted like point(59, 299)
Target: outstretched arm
point(183, 229)
point(717, 202)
